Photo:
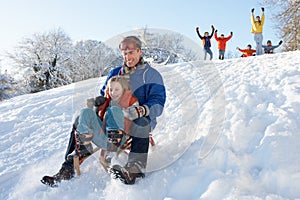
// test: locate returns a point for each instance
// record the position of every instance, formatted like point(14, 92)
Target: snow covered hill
point(230, 130)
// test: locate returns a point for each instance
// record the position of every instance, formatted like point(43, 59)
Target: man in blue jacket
point(147, 86)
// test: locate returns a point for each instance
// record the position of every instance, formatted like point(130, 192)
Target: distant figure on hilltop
point(247, 52)
point(206, 41)
point(222, 43)
point(269, 48)
point(257, 29)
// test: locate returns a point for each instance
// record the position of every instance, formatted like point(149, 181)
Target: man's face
point(130, 53)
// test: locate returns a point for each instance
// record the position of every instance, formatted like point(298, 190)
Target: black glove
point(212, 27)
point(252, 10)
point(262, 9)
point(216, 30)
point(197, 29)
point(99, 100)
point(280, 42)
point(231, 33)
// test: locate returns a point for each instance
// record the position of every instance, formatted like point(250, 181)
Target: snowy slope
point(230, 130)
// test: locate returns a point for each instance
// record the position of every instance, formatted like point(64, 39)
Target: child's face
point(115, 91)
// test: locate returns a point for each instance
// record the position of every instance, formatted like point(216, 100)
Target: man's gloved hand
point(252, 10)
point(280, 42)
point(231, 33)
point(90, 103)
point(135, 112)
point(263, 9)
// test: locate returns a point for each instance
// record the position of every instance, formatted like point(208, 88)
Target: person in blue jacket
point(206, 41)
point(269, 48)
point(147, 86)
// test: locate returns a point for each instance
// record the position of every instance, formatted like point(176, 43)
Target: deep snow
point(230, 130)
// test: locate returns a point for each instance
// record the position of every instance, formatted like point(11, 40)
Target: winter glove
point(197, 29)
point(216, 31)
point(135, 112)
point(99, 100)
point(231, 33)
point(212, 27)
point(280, 42)
point(263, 9)
point(90, 103)
point(252, 10)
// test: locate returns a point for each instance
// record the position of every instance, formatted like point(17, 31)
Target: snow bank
point(230, 130)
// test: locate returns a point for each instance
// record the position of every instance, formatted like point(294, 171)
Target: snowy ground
point(230, 130)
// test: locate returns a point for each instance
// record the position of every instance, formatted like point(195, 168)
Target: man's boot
point(128, 173)
point(83, 148)
point(66, 172)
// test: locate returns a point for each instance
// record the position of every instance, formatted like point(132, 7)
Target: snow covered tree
point(5, 87)
point(165, 47)
point(8, 86)
point(287, 15)
point(89, 59)
point(44, 58)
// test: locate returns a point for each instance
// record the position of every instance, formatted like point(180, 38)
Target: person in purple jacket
point(147, 86)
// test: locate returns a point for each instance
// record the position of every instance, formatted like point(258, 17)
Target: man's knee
point(140, 128)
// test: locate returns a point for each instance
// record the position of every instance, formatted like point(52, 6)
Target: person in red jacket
point(117, 93)
point(247, 52)
point(222, 43)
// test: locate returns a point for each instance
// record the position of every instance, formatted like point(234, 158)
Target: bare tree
point(287, 16)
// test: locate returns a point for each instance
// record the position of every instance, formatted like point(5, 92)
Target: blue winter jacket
point(147, 86)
